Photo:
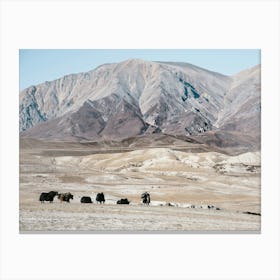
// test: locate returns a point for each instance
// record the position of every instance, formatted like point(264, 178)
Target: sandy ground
point(175, 179)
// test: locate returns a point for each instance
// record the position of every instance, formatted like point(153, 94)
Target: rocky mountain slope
point(136, 97)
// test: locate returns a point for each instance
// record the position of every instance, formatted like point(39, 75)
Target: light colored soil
point(109, 217)
point(169, 176)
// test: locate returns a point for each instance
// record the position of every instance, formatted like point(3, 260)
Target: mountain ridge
point(136, 97)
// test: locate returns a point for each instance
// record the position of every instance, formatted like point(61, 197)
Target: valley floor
point(130, 218)
point(181, 184)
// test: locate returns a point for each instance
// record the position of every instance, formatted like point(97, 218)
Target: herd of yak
point(100, 198)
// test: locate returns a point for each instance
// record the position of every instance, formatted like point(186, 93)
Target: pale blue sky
point(38, 66)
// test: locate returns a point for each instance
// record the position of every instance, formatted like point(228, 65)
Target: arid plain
point(182, 178)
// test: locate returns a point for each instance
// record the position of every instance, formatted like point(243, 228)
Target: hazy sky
point(38, 66)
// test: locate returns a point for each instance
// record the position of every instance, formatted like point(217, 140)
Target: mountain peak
point(135, 62)
point(136, 97)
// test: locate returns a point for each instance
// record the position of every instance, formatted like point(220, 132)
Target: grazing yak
point(146, 198)
point(123, 201)
point(47, 196)
point(100, 198)
point(86, 199)
point(65, 197)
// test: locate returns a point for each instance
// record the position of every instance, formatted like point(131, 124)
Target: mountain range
point(137, 98)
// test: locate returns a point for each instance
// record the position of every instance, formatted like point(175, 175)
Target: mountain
point(136, 97)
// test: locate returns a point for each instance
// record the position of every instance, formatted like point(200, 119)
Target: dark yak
point(47, 196)
point(65, 197)
point(86, 199)
point(123, 201)
point(146, 198)
point(100, 198)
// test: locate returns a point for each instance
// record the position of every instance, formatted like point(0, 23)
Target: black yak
point(123, 201)
point(47, 196)
point(100, 198)
point(86, 199)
